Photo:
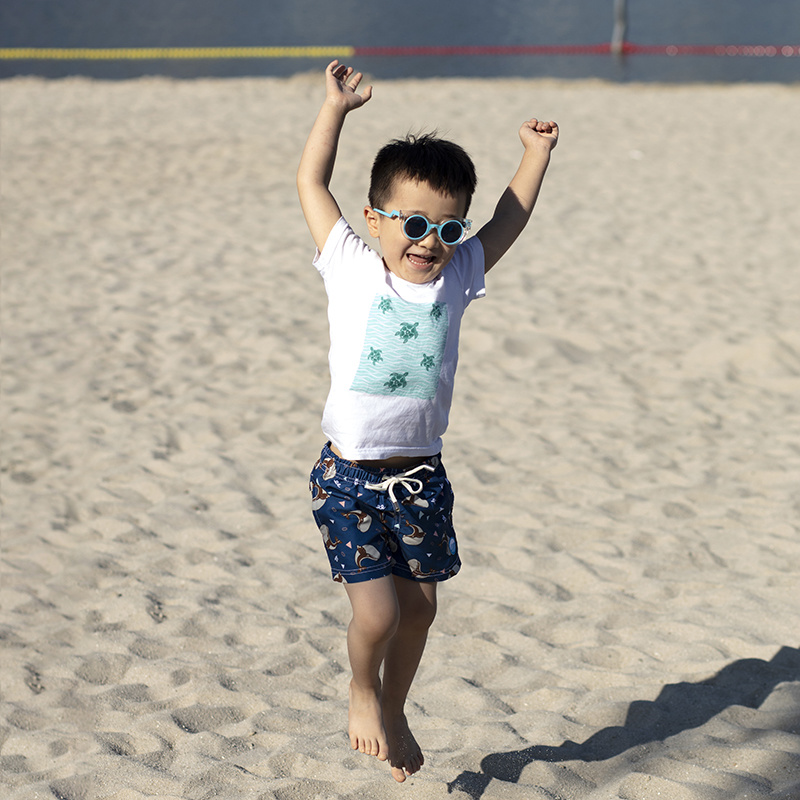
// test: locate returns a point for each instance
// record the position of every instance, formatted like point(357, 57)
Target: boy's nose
point(430, 241)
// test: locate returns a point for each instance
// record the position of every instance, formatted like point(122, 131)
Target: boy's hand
point(537, 133)
point(341, 85)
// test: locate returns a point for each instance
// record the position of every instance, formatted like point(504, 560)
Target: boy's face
point(422, 261)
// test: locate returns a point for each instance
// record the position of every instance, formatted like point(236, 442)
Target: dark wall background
point(211, 23)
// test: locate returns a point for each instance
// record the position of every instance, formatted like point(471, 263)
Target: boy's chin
point(415, 271)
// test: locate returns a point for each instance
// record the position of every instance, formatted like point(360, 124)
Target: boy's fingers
point(347, 77)
point(355, 82)
point(542, 126)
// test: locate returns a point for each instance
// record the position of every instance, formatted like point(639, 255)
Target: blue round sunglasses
point(417, 227)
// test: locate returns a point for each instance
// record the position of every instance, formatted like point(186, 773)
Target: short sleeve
point(342, 247)
point(469, 264)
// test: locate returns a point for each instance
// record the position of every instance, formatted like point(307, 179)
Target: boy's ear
point(372, 221)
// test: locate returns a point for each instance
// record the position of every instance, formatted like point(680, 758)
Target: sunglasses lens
point(416, 227)
point(451, 231)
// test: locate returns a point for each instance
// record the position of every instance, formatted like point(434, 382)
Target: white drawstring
point(411, 485)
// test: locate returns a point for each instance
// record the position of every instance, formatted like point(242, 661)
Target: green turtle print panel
point(403, 348)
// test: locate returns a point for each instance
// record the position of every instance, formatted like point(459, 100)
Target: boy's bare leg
point(417, 602)
point(375, 619)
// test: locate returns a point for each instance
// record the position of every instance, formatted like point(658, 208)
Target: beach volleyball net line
point(348, 51)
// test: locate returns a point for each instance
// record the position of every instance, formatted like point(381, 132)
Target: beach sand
point(624, 447)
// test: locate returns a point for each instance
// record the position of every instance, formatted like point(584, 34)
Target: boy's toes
point(411, 765)
point(370, 747)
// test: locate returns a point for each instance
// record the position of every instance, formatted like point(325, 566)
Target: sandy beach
point(624, 448)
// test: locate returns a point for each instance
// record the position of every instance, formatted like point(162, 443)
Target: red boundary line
point(752, 51)
point(483, 50)
point(627, 48)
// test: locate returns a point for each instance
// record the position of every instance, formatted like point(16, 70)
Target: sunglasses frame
point(465, 224)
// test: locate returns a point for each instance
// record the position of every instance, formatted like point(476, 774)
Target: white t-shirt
point(394, 347)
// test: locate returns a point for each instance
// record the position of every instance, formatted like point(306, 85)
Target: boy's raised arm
point(514, 208)
point(319, 155)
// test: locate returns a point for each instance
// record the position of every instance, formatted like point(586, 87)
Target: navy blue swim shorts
point(377, 522)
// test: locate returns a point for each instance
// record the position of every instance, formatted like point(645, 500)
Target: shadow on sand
point(678, 707)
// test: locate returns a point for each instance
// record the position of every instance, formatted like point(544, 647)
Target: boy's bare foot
point(367, 734)
point(405, 756)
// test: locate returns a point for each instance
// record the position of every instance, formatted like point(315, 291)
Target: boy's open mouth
point(420, 261)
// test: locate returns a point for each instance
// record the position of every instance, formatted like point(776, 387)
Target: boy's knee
point(419, 614)
point(377, 624)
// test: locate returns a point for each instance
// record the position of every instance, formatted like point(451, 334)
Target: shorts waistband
point(362, 474)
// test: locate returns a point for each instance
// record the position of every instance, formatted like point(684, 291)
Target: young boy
point(380, 494)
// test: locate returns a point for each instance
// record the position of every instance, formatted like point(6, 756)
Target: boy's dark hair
point(443, 165)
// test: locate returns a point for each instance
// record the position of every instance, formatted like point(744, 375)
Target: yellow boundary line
point(138, 53)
